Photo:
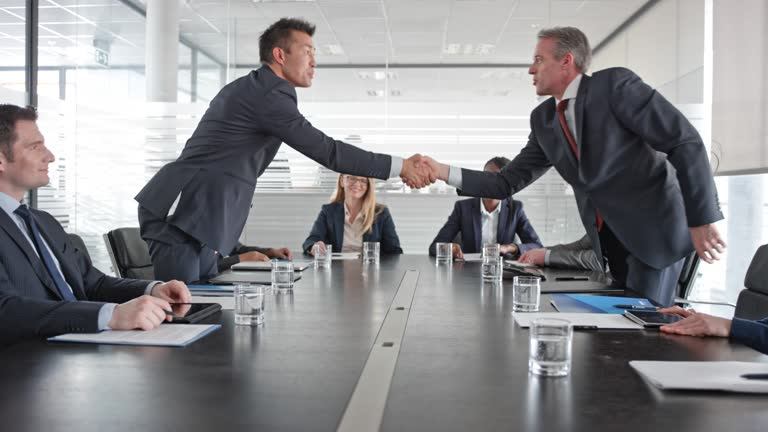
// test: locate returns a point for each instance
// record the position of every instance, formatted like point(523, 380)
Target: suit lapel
point(581, 97)
point(10, 228)
point(66, 269)
point(477, 223)
point(338, 226)
point(503, 218)
point(562, 142)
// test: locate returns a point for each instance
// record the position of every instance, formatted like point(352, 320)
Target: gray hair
point(570, 40)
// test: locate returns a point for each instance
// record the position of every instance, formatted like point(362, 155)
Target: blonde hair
point(370, 209)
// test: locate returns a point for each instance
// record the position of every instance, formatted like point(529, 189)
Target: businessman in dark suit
point(615, 141)
point(215, 176)
point(575, 255)
point(47, 285)
point(488, 220)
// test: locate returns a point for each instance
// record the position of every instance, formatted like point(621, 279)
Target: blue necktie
point(53, 271)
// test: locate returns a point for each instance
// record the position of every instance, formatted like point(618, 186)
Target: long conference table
point(402, 346)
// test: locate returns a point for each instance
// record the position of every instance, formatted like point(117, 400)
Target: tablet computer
point(190, 313)
point(651, 319)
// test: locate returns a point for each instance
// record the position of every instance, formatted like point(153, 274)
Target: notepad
point(600, 321)
point(345, 256)
point(165, 335)
point(583, 303)
point(714, 375)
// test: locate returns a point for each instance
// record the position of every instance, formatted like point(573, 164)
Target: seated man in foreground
point(47, 286)
point(751, 333)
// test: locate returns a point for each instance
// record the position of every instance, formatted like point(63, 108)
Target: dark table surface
point(462, 366)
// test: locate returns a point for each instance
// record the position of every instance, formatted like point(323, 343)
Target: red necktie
point(561, 107)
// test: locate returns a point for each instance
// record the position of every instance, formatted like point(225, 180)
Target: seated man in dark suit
point(488, 220)
point(243, 253)
point(751, 333)
point(575, 255)
point(48, 286)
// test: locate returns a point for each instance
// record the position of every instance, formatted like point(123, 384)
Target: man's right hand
point(416, 173)
point(320, 245)
point(440, 170)
point(457, 253)
point(145, 312)
point(253, 256)
point(533, 256)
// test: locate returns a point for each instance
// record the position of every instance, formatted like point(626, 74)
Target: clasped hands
point(419, 171)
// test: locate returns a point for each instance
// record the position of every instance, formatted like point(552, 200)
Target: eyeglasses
point(352, 180)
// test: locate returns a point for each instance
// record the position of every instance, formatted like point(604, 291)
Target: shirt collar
point(346, 214)
point(8, 203)
point(572, 90)
point(485, 212)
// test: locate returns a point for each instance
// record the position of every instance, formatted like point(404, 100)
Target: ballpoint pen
point(635, 307)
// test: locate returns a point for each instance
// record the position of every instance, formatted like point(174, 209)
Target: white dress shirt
point(353, 232)
point(490, 224)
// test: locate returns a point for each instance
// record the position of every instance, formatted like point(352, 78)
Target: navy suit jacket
point(641, 163)
point(466, 220)
point(751, 333)
point(236, 139)
point(30, 304)
point(329, 228)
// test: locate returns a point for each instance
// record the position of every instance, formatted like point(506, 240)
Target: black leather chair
point(688, 276)
point(753, 300)
point(80, 245)
point(129, 254)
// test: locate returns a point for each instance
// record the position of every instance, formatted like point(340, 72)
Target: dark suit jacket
point(630, 138)
point(30, 304)
point(466, 220)
point(236, 139)
point(751, 333)
point(329, 228)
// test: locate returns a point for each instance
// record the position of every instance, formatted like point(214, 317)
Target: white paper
point(714, 375)
point(252, 265)
point(602, 321)
point(345, 256)
point(227, 303)
point(519, 264)
point(472, 257)
point(165, 335)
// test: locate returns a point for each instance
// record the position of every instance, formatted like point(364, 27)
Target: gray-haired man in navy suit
point(47, 285)
point(638, 168)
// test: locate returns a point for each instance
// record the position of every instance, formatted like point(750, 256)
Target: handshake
point(419, 171)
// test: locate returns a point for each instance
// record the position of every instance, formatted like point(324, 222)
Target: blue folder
point(583, 303)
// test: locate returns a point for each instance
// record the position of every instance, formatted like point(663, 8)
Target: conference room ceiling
point(355, 39)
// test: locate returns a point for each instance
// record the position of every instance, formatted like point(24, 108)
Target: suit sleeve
point(390, 242)
point(25, 317)
point(319, 231)
point(578, 255)
point(282, 119)
point(648, 114)
point(529, 239)
point(754, 334)
point(448, 232)
point(530, 164)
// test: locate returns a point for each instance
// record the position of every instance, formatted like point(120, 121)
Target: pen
point(585, 327)
point(635, 307)
point(756, 376)
point(572, 278)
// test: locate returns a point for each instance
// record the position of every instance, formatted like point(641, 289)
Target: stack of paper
point(166, 335)
point(345, 256)
point(579, 320)
point(717, 375)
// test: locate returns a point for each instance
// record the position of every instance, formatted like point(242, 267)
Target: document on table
point(176, 335)
point(583, 320)
point(701, 375)
point(227, 303)
point(345, 256)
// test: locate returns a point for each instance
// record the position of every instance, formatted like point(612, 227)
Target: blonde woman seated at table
point(354, 217)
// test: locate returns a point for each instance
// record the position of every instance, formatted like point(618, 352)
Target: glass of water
point(282, 275)
point(525, 293)
point(322, 254)
point(492, 269)
point(371, 252)
point(550, 347)
point(444, 253)
point(249, 304)
point(491, 250)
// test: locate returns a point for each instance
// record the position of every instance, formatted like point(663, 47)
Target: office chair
point(753, 300)
point(688, 275)
point(79, 244)
point(129, 254)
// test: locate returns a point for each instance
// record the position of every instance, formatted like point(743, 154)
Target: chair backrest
point(753, 300)
point(129, 254)
point(688, 275)
point(80, 245)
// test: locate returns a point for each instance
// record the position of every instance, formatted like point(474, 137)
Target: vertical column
point(162, 50)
